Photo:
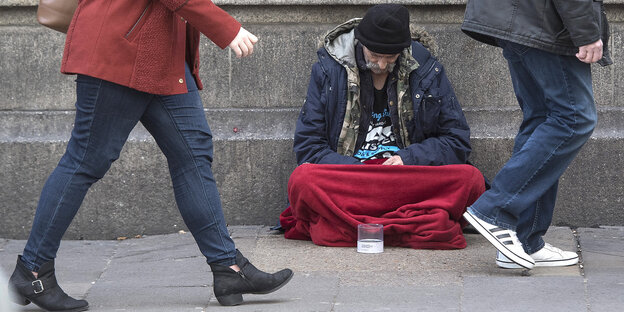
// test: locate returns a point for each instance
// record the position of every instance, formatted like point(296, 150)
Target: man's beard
point(374, 67)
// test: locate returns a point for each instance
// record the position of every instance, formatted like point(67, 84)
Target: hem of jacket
point(477, 32)
point(171, 91)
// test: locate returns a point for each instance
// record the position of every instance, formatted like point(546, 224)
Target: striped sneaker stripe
point(506, 235)
point(497, 229)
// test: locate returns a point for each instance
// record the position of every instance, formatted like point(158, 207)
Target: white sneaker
point(504, 240)
point(549, 256)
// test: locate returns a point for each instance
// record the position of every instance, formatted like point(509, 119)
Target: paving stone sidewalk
point(167, 273)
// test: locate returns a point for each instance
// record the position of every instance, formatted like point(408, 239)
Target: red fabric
point(377, 161)
point(419, 206)
point(143, 44)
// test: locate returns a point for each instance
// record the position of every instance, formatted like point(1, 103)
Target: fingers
point(236, 50)
point(582, 54)
point(247, 45)
point(589, 56)
point(597, 54)
point(253, 38)
point(394, 160)
point(590, 53)
point(242, 45)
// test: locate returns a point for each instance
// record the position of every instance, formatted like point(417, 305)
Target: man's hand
point(590, 53)
point(394, 160)
point(242, 45)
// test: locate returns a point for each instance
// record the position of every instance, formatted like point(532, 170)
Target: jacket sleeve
point(311, 144)
point(450, 143)
point(209, 19)
point(580, 20)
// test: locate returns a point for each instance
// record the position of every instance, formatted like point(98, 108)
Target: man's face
point(380, 63)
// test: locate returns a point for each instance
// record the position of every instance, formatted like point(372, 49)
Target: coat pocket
point(430, 111)
point(136, 27)
point(426, 115)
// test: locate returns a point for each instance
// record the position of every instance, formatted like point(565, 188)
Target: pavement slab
point(603, 260)
point(523, 293)
point(168, 273)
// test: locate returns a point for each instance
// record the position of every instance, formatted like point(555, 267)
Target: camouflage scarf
point(351, 124)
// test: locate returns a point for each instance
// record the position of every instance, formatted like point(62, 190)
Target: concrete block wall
point(260, 97)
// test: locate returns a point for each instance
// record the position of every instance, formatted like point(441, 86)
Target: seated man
point(377, 97)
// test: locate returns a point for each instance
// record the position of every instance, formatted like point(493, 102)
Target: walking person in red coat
point(138, 61)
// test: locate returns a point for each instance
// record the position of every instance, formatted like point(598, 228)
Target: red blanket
point(419, 206)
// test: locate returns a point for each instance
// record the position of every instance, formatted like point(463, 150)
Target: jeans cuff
point(487, 219)
point(29, 265)
point(530, 250)
point(225, 262)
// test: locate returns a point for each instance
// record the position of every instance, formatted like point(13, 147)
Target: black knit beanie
point(385, 29)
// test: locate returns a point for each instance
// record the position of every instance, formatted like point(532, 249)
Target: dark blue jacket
point(439, 133)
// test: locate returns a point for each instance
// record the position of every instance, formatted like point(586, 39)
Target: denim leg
point(534, 221)
point(178, 124)
point(556, 92)
point(105, 115)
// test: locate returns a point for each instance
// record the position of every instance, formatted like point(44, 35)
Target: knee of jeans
point(92, 167)
point(95, 169)
point(587, 123)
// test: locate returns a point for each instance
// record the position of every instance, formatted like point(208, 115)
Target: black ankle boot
point(42, 290)
point(229, 285)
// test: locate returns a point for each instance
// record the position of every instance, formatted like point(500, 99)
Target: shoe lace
point(514, 238)
point(552, 248)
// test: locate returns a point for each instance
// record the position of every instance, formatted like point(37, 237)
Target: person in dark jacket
point(549, 46)
point(378, 97)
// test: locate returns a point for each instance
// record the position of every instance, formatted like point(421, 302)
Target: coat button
point(437, 69)
point(181, 80)
point(391, 103)
point(418, 96)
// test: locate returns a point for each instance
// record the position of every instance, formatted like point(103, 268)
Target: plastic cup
point(370, 238)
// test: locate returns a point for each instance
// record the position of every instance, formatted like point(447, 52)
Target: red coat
point(142, 44)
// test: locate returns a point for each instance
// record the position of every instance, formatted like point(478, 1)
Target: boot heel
point(20, 300)
point(230, 300)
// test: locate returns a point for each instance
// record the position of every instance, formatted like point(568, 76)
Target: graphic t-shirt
point(380, 141)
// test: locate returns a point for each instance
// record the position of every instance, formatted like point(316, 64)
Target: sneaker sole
point(557, 263)
point(496, 243)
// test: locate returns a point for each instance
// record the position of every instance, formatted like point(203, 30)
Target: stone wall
point(260, 97)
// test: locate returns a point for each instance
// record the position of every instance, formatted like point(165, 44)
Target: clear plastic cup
point(370, 238)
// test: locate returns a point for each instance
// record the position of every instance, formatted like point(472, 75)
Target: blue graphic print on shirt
point(380, 141)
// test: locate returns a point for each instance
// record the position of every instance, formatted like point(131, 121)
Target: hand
point(243, 43)
point(394, 160)
point(590, 53)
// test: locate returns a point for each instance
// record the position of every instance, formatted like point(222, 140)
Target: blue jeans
point(559, 115)
point(105, 115)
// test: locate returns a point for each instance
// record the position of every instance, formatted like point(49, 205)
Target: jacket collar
point(340, 44)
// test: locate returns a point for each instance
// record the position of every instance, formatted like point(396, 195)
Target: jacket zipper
point(422, 102)
point(139, 20)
